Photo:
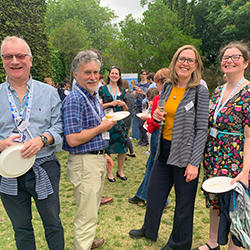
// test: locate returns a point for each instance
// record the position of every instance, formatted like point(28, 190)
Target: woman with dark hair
point(112, 95)
point(228, 144)
point(180, 149)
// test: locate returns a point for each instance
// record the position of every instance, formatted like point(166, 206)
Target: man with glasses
point(140, 93)
point(30, 109)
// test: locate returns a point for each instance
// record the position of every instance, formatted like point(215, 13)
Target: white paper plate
point(140, 114)
point(12, 164)
point(120, 115)
point(220, 184)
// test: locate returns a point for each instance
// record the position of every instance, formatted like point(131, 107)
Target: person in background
point(153, 128)
point(228, 143)
point(180, 149)
point(67, 81)
point(100, 84)
point(136, 134)
point(48, 81)
point(62, 90)
point(151, 80)
point(113, 96)
point(130, 101)
point(86, 140)
point(202, 82)
point(101, 80)
point(140, 90)
point(37, 107)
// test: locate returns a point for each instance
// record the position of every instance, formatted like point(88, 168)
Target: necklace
point(177, 92)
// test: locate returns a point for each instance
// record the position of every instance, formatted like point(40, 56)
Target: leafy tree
point(87, 15)
point(184, 11)
point(219, 22)
point(25, 18)
point(150, 42)
point(69, 39)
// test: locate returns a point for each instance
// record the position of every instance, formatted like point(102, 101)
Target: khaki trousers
point(86, 172)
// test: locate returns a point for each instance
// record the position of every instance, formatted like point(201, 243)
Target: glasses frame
point(186, 59)
point(234, 60)
point(17, 56)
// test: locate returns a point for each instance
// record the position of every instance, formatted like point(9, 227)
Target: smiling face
point(184, 70)
point(18, 70)
point(88, 76)
point(114, 75)
point(233, 66)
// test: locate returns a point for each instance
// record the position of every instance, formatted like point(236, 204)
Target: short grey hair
point(84, 57)
point(15, 39)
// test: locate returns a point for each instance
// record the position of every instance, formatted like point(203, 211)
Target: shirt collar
point(10, 87)
point(92, 97)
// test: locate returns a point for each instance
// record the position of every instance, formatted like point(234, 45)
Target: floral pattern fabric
point(224, 154)
point(118, 133)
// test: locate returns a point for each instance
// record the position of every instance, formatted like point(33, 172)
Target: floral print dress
point(224, 154)
point(118, 133)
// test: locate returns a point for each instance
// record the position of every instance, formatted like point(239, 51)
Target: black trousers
point(163, 177)
point(140, 123)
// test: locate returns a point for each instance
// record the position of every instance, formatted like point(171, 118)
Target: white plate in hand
point(120, 115)
point(219, 184)
point(12, 164)
point(141, 114)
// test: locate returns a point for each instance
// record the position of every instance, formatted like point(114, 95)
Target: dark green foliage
point(25, 18)
point(150, 43)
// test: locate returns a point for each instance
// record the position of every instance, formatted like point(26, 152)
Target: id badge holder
point(21, 139)
point(105, 136)
point(213, 132)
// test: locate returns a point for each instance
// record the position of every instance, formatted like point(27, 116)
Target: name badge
point(212, 106)
point(213, 132)
point(105, 136)
point(189, 105)
point(23, 126)
point(21, 139)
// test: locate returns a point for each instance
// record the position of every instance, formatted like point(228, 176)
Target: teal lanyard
point(114, 96)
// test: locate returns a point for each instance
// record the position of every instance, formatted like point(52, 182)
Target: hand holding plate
point(8, 142)
point(31, 147)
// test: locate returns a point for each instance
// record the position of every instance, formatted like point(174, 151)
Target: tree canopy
point(26, 19)
point(150, 42)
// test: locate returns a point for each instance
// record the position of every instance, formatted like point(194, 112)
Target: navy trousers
point(18, 208)
point(163, 177)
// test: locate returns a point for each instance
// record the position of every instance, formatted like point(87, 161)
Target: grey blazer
point(190, 127)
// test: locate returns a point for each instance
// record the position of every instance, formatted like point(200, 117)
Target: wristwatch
point(44, 139)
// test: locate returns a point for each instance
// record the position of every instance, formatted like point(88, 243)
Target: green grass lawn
point(117, 218)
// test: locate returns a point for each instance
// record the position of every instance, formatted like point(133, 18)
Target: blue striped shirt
point(78, 115)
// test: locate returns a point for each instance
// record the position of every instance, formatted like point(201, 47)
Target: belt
point(229, 133)
point(97, 152)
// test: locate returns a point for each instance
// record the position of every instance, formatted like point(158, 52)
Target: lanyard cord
point(91, 105)
point(17, 118)
point(219, 108)
point(114, 96)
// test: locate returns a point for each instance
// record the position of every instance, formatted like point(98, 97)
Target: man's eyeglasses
point(17, 56)
point(234, 58)
point(190, 61)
